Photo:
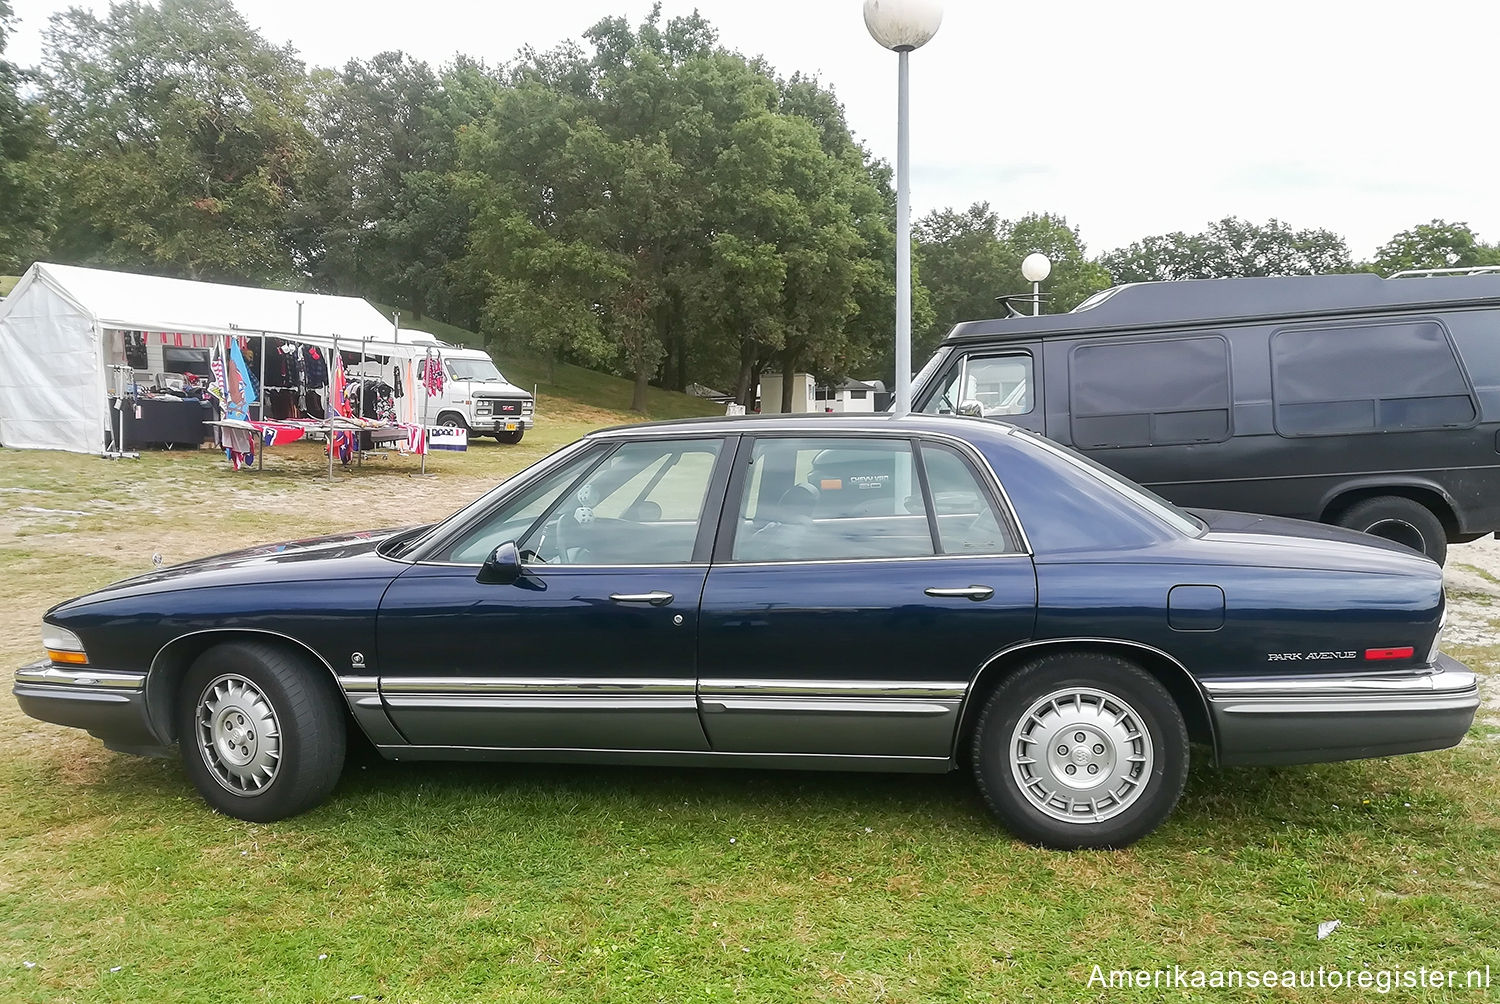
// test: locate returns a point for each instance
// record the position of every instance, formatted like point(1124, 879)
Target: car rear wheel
point(1400, 519)
point(260, 731)
point(1080, 749)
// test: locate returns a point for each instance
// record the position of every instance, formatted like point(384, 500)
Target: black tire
point(510, 438)
point(1400, 519)
point(454, 419)
point(1152, 717)
point(307, 724)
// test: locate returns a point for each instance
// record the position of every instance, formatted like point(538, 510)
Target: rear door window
point(1368, 378)
point(1151, 393)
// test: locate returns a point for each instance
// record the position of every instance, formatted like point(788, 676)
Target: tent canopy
point(130, 302)
point(53, 350)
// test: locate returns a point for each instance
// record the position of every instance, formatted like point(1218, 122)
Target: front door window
point(986, 387)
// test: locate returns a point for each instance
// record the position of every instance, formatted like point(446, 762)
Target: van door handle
point(975, 593)
point(657, 598)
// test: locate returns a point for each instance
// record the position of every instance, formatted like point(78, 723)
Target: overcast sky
point(1362, 116)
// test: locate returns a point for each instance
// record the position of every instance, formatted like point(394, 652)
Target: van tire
point(454, 419)
point(1402, 520)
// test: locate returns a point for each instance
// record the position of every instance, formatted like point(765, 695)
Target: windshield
point(1150, 501)
point(474, 369)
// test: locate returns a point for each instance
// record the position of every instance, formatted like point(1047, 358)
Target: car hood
point(337, 556)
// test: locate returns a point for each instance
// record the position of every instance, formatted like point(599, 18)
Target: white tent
point(56, 328)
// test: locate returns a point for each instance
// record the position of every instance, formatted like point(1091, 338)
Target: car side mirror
point(503, 566)
point(971, 409)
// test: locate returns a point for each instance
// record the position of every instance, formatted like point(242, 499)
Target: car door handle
point(975, 593)
point(657, 598)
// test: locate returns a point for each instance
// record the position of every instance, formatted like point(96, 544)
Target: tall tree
point(657, 195)
point(1228, 248)
point(183, 140)
point(1438, 244)
point(25, 193)
point(392, 221)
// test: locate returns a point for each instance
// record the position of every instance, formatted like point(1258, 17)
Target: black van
point(1366, 402)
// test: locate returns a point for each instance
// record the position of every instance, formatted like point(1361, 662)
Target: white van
point(476, 396)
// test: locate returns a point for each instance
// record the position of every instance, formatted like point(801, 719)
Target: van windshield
point(1153, 503)
point(475, 369)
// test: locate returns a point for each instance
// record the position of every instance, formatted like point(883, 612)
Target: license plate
point(510, 427)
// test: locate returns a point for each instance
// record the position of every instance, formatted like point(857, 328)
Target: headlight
point(63, 646)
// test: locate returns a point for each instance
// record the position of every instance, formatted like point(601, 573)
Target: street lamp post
point(1035, 268)
point(901, 26)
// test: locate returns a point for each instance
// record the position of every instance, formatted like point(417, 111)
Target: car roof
point(1158, 305)
point(967, 429)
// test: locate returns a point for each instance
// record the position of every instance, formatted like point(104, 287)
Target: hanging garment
point(314, 368)
point(344, 439)
point(239, 447)
point(416, 439)
point(432, 374)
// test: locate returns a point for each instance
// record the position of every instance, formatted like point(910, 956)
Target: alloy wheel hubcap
point(1081, 755)
point(239, 735)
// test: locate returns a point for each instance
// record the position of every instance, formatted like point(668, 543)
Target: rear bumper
point(1282, 720)
point(110, 706)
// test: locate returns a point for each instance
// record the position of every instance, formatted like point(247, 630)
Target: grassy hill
point(574, 386)
point(7, 283)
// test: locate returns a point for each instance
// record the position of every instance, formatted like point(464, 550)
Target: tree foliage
point(1229, 248)
point(645, 200)
point(183, 140)
point(25, 189)
point(970, 259)
point(1438, 244)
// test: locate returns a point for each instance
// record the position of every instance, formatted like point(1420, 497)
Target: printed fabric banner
point(447, 437)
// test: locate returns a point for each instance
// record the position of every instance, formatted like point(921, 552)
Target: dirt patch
point(1472, 578)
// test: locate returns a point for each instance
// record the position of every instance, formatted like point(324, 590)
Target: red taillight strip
point(1376, 654)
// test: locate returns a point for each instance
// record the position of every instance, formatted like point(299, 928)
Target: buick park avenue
point(845, 593)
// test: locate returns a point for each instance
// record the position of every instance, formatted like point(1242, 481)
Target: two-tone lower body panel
point(1314, 719)
point(108, 705)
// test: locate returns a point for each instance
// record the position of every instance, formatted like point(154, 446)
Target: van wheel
point(1080, 749)
point(454, 419)
point(510, 438)
point(1400, 519)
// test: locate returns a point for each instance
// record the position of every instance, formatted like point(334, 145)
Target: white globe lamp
point(901, 26)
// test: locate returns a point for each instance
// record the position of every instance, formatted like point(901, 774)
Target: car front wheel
point(260, 731)
point(1080, 750)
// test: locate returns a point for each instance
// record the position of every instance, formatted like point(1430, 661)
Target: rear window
point(1367, 378)
point(1152, 393)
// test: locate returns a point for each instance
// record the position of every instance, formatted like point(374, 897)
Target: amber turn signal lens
point(67, 658)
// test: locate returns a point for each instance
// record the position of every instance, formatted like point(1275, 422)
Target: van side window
point(991, 386)
point(1153, 393)
point(1368, 378)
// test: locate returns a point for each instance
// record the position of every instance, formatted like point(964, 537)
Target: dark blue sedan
point(830, 592)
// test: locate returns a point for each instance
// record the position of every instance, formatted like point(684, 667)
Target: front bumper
point(1314, 719)
point(498, 423)
point(110, 705)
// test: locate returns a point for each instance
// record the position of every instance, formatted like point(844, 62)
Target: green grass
point(446, 882)
point(574, 382)
point(8, 283)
